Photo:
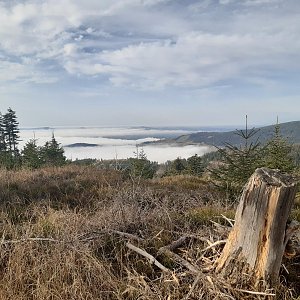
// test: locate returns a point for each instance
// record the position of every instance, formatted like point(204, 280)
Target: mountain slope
point(290, 130)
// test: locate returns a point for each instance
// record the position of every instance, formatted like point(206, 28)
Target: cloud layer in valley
point(111, 143)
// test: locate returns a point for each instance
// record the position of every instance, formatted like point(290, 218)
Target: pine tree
point(238, 162)
point(31, 155)
point(52, 153)
point(2, 135)
point(178, 165)
point(194, 165)
point(3, 148)
point(140, 166)
point(278, 152)
point(11, 132)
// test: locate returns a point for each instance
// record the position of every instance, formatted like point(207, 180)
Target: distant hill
point(290, 130)
point(81, 145)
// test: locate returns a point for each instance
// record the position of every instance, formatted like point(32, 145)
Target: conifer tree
point(194, 165)
point(2, 135)
point(278, 152)
point(11, 132)
point(140, 166)
point(178, 165)
point(238, 162)
point(52, 153)
point(31, 155)
point(3, 148)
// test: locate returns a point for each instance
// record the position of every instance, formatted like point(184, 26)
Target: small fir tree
point(194, 165)
point(140, 166)
point(31, 155)
point(178, 165)
point(278, 152)
point(52, 153)
point(238, 162)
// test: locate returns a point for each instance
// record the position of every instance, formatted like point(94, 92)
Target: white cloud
point(260, 2)
point(144, 44)
point(196, 59)
point(23, 72)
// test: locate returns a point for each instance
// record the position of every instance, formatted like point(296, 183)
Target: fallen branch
point(221, 229)
point(149, 256)
point(176, 244)
point(178, 259)
point(127, 235)
point(230, 221)
point(95, 234)
point(255, 293)
point(36, 239)
point(217, 243)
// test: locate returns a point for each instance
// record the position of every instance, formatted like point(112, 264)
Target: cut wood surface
point(256, 244)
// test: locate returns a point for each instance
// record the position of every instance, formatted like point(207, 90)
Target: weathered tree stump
point(256, 244)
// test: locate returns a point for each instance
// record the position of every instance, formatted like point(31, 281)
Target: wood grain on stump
point(256, 244)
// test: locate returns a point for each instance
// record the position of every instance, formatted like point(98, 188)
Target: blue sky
point(150, 62)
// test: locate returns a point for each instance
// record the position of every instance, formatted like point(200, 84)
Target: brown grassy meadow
point(62, 237)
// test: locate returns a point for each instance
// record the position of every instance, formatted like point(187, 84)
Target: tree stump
point(256, 244)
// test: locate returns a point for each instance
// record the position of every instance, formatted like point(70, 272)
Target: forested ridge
point(289, 130)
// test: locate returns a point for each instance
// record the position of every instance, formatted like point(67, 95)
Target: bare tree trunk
point(256, 244)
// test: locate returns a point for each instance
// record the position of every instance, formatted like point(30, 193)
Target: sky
point(150, 62)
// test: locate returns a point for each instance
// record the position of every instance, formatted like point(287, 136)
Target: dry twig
point(178, 259)
point(217, 243)
point(149, 256)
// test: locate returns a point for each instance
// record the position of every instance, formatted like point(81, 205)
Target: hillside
point(66, 232)
point(290, 130)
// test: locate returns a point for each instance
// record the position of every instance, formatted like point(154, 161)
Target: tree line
point(229, 167)
point(32, 155)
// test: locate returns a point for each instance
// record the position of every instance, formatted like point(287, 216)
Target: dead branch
point(230, 221)
point(36, 239)
point(178, 259)
point(255, 293)
point(95, 234)
point(217, 243)
point(176, 244)
point(149, 256)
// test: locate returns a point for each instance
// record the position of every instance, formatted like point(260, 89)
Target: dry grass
point(77, 212)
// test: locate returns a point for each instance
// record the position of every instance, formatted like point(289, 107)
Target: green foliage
point(210, 157)
point(238, 163)
point(140, 166)
point(2, 135)
point(175, 167)
point(278, 153)
point(31, 155)
point(52, 154)
point(181, 166)
point(11, 131)
point(9, 139)
point(195, 165)
point(295, 155)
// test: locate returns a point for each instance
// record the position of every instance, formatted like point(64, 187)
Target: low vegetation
point(86, 229)
point(65, 234)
